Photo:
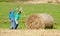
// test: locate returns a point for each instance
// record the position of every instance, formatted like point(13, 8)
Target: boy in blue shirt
point(11, 17)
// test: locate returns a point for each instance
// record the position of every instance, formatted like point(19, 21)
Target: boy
point(17, 18)
point(11, 17)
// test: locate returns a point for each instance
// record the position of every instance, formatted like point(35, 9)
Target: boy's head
point(10, 10)
point(20, 11)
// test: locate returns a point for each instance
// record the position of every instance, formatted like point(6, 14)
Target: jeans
point(13, 24)
point(16, 24)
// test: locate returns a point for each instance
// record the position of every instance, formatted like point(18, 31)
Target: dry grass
point(40, 32)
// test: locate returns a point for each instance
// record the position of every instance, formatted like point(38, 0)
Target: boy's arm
point(9, 18)
point(15, 10)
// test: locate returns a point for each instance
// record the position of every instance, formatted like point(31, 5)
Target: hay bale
point(58, 1)
point(54, 1)
point(39, 21)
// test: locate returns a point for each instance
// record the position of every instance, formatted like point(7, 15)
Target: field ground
point(21, 32)
point(52, 9)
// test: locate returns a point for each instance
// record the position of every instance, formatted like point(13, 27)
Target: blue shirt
point(17, 16)
point(11, 16)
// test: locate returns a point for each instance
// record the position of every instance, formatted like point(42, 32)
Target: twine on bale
point(39, 21)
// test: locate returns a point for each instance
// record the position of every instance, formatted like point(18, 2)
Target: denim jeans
point(13, 24)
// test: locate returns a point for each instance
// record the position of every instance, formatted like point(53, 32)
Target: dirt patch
point(40, 1)
point(40, 32)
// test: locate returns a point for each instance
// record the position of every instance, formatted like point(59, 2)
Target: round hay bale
point(39, 21)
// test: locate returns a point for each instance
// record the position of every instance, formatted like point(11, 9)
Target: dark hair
point(19, 12)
